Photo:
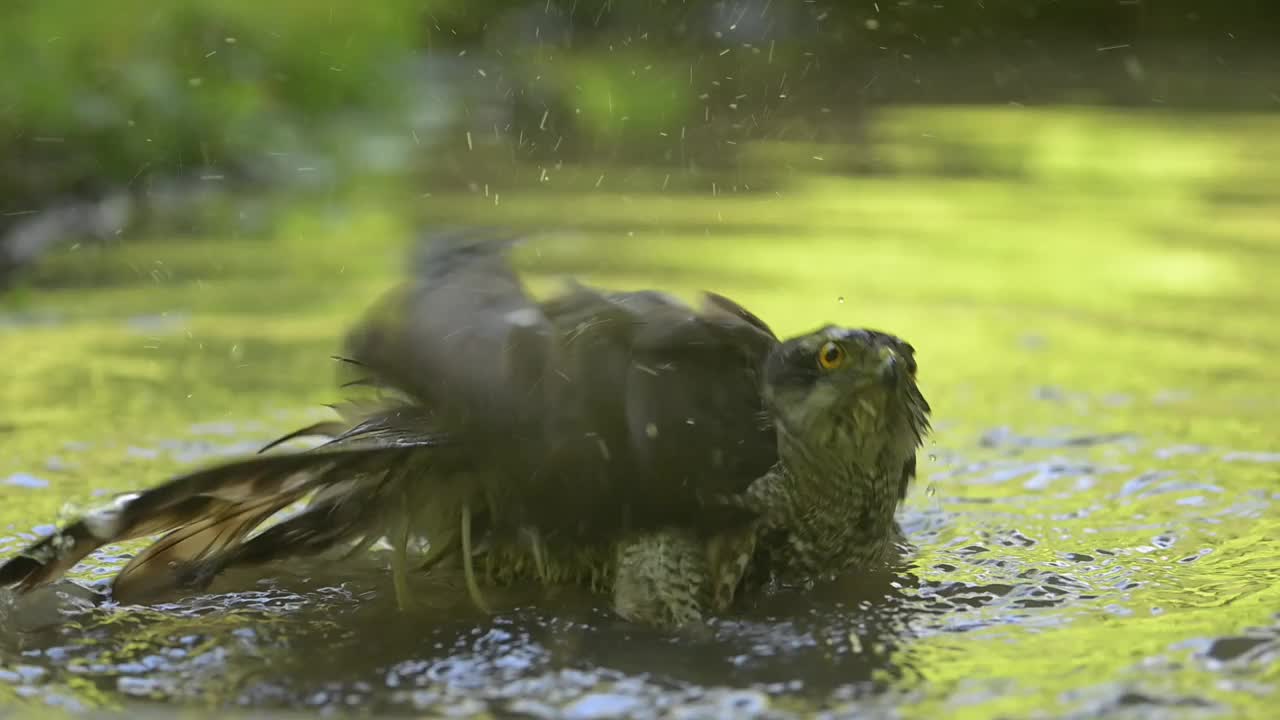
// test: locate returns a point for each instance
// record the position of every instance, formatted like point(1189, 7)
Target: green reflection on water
point(1062, 274)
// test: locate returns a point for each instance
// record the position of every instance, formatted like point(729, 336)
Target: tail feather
point(205, 516)
point(327, 428)
point(338, 516)
point(52, 556)
point(159, 566)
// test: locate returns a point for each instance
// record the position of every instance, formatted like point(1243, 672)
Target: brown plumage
point(625, 441)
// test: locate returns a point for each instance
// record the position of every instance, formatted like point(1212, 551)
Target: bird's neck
point(835, 502)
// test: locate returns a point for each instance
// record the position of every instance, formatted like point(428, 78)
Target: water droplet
point(25, 481)
point(840, 299)
point(931, 490)
point(933, 458)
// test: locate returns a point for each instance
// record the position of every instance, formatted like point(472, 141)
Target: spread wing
point(575, 416)
point(461, 337)
point(595, 409)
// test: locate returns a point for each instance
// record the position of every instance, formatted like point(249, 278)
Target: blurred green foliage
point(230, 97)
point(101, 93)
point(93, 96)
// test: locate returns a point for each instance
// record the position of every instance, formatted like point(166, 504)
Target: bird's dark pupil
point(833, 354)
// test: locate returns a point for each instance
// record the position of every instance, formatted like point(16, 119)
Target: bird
point(673, 457)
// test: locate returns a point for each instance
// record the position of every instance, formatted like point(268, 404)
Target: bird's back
point(589, 410)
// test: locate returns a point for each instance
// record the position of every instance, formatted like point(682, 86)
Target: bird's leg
point(662, 578)
point(728, 555)
point(537, 548)
point(400, 558)
point(468, 563)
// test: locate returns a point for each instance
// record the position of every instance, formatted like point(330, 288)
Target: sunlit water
point(1095, 521)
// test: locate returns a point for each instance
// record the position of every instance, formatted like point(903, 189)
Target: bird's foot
point(728, 556)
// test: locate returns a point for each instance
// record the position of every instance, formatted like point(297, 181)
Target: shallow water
point(1095, 520)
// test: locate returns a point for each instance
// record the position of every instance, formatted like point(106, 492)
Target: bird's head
point(852, 391)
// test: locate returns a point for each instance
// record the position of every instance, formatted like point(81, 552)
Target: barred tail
point(207, 516)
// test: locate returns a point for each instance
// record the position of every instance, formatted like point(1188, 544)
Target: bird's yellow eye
point(831, 356)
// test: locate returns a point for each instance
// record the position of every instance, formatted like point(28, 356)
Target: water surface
point(1095, 309)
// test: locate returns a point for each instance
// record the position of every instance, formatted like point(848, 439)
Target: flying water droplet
point(840, 299)
point(931, 490)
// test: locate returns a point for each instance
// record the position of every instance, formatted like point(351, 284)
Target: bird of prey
point(667, 456)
